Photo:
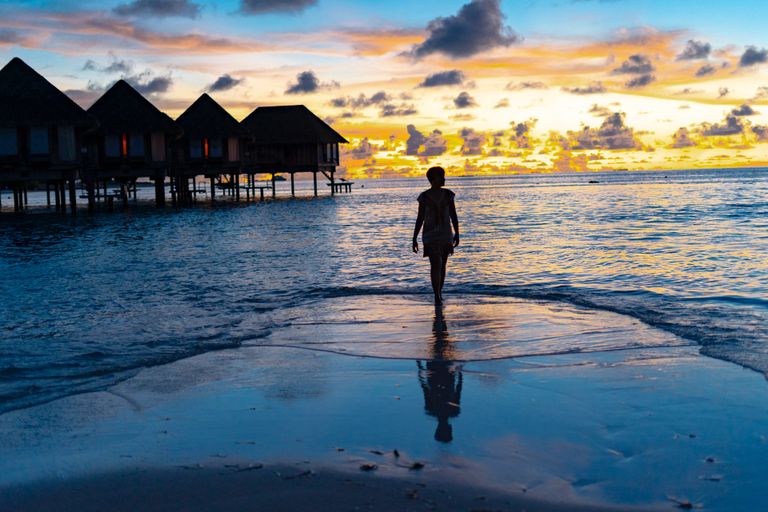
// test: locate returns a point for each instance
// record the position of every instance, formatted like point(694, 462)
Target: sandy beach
point(635, 420)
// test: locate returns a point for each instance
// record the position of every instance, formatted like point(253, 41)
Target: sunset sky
point(484, 86)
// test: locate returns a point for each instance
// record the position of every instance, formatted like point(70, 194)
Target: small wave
point(97, 354)
point(10, 371)
point(731, 299)
point(722, 332)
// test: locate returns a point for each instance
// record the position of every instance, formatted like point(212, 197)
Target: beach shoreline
point(650, 427)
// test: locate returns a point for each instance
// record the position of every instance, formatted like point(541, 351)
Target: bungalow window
point(215, 148)
point(8, 142)
point(234, 149)
point(112, 146)
point(66, 143)
point(38, 140)
point(328, 152)
point(136, 144)
point(158, 147)
point(195, 148)
point(335, 152)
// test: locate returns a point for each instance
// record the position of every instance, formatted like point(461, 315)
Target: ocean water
point(87, 301)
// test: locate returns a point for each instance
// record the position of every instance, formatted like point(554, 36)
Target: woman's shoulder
point(450, 193)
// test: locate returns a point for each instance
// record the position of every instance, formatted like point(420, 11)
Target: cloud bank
point(477, 27)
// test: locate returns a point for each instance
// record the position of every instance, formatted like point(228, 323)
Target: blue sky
point(552, 76)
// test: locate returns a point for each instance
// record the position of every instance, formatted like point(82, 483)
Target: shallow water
point(85, 302)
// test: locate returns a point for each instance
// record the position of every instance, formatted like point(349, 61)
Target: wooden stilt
point(124, 194)
point(333, 184)
point(48, 194)
point(160, 191)
point(72, 196)
point(213, 188)
point(261, 192)
point(26, 197)
point(237, 187)
point(274, 189)
point(173, 191)
point(293, 186)
point(314, 178)
point(63, 192)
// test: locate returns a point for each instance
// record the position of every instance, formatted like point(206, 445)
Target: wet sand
point(273, 488)
point(631, 425)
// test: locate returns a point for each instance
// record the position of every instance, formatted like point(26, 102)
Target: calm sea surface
point(88, 301)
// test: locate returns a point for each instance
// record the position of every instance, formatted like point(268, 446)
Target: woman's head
point(436, 176)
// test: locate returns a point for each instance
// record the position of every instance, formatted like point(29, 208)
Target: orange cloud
point(47, 24)
point(374, 43)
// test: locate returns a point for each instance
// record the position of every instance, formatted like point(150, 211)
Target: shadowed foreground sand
point(270, 488)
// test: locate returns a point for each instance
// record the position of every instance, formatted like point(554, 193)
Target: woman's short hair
point(435, 172)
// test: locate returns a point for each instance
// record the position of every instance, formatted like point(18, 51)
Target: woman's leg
point(436, 266)
point(442, 274)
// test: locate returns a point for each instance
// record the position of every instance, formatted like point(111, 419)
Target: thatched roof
point(206, 118)
point(123, 109)
point(26, 98)
point(292, 124)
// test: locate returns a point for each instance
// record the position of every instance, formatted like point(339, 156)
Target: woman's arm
point(419, 223)
point(455, 221)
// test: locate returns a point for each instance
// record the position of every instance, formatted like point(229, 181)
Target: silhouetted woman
point(437, 212)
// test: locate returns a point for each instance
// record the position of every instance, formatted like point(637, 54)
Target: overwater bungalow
point(291, 139)
point(212, 145)
point(41, 132)
point(133, 141)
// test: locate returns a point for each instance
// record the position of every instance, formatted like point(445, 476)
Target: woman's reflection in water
point(441, 380)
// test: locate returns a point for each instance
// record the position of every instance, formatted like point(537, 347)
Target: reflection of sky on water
point(82, 299)
point(470, 327)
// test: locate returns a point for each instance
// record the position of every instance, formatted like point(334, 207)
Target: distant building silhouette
point(41, 133)
point(46, 137)
point(133, 140)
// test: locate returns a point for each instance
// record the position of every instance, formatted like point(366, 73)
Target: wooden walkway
point(341, 186)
